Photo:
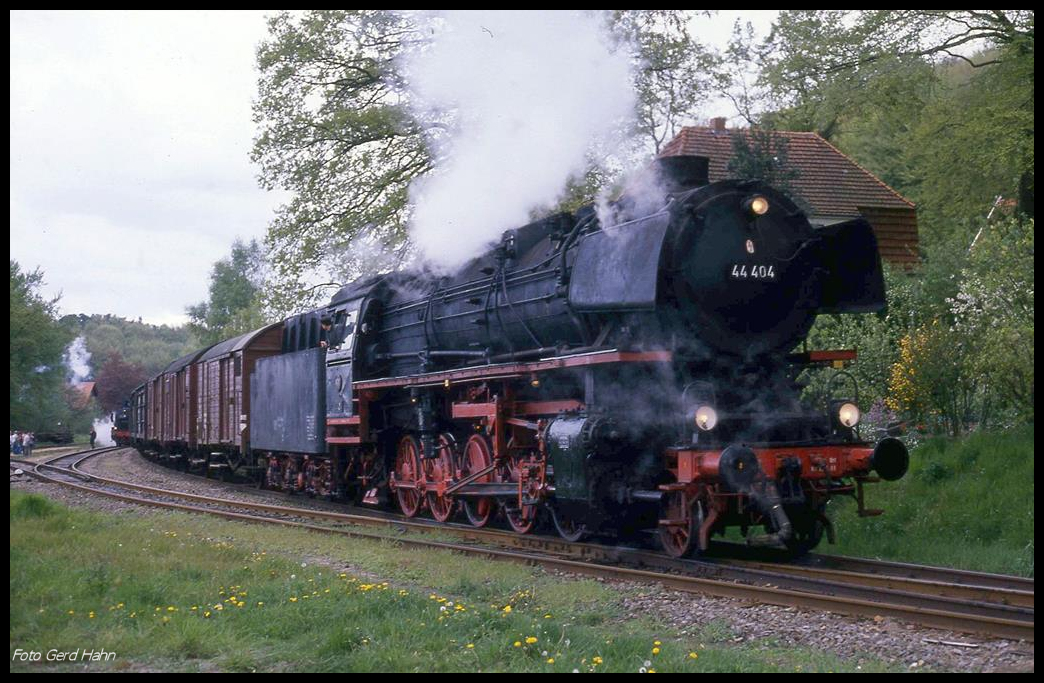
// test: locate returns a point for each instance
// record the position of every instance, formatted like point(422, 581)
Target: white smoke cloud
point(78, 361)
point(103, 430)
point(527, 95)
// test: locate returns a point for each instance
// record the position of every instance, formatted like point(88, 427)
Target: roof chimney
point(718, 123)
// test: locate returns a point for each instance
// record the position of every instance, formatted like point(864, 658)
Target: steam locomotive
point(625, 370)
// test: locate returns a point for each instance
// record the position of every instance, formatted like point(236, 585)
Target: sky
point(130, 152)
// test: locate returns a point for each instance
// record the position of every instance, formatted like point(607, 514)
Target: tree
point(37, 343)
point(823, 62)
point(675, 74)
point(994, 307)
point(234, 304)
point(335, 131)
point(116, 380)
point(759, 154)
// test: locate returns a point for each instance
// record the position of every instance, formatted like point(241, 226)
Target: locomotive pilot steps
point(620, 373)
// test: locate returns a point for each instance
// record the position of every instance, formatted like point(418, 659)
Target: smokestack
point(718, 124)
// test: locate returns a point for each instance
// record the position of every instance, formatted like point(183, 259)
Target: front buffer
point(783, 489)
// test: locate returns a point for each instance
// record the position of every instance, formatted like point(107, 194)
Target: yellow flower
point(507, 609)
point(293, 599)
point(530, 640)
point(550, 660)
point(206, 615)
point(656, 650)
point(260, 604)
point(471, 646)
point(596, 661)
point(693, 655)
point(518, 643)
point(91, 615)
point(657, 643)
point(171, 608)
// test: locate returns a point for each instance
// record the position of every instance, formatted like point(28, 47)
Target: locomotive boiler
point(625, 369)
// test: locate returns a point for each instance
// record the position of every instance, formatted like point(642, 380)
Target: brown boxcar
point(154, 410)
point(223, 388)
point(179, 401)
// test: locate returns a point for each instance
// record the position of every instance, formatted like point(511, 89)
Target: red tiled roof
point(80, 395)
point(831, 182)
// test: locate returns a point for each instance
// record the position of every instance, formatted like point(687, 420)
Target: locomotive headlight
point(848, 414)
point(706, 418)
point(757, 205)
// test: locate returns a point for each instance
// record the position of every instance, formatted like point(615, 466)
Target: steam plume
point(526, 96)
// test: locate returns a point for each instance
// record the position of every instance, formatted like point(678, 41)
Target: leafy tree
point(116, 380)
point(994, 307)
point(234, 305)
point(822, 62)
point(759, 154)
point(335, 131)
point(37, 341)
point(675, 74)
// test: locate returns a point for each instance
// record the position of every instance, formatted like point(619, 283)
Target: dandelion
point(643, 670)
point(657, 643)
point(530, 640)
point(647, 663)
point(550, 660)
point(294, 599)
point(547, 616)
point(91, 615)
point(206, 615)
point(471, 646)
point(656, 650)
point(260, 604)
point(518, 643)
point(693, 655)
point(507, 609)
point(596, 661)
point(72, 612)
point(172, 609)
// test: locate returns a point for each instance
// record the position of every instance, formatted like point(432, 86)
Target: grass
point(966, 503)
point(187, 593)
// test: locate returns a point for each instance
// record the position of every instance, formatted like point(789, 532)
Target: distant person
point(13, 435)
point(94, 435)
point(28, 442)
point(17, 447)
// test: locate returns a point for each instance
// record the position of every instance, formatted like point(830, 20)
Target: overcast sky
point(130, 143)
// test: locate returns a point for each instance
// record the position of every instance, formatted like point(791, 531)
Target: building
point(832, 185)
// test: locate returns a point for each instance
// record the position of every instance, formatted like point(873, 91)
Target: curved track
point(985, 604)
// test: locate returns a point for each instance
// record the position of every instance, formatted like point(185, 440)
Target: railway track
point(971, 602)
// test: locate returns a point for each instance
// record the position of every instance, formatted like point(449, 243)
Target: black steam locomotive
point(620, 370)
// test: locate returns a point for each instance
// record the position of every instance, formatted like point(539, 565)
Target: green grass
point(966, 503)
point(189, 593)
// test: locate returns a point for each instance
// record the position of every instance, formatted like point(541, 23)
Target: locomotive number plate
point(752, 271)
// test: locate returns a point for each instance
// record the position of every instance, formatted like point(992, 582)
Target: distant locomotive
point(624, 373)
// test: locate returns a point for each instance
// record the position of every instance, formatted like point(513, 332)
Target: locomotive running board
point(515, 370)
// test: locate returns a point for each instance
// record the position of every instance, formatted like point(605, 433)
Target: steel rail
point(1016, 624)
